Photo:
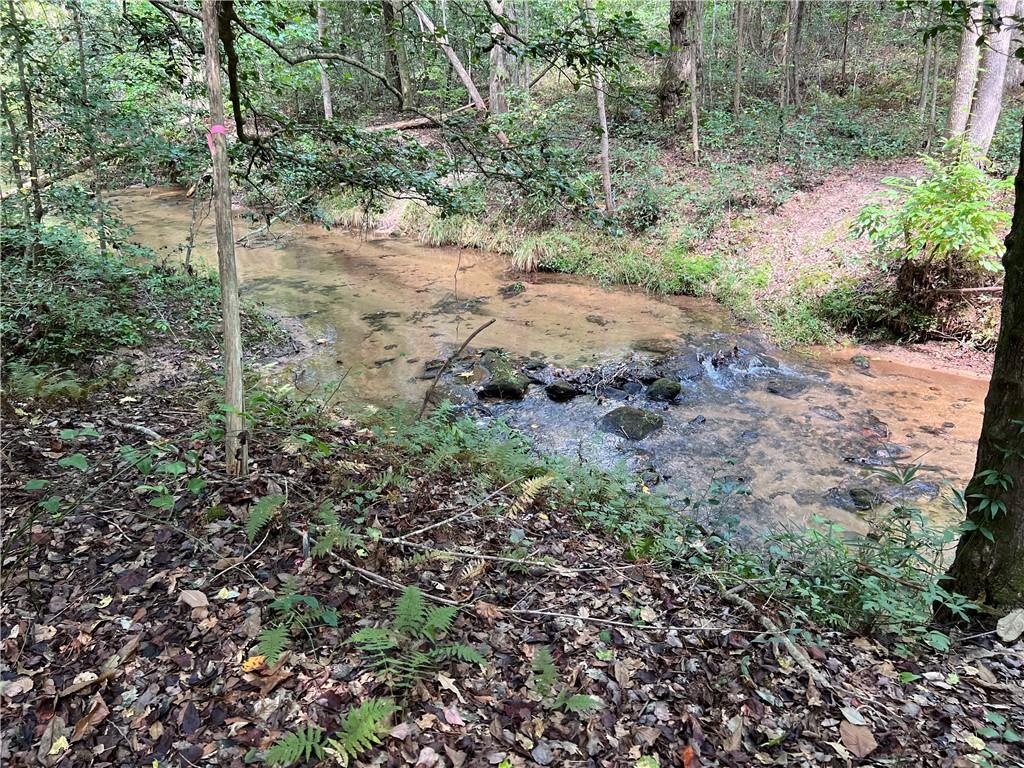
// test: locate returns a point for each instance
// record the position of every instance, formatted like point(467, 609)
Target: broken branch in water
point(448, 362)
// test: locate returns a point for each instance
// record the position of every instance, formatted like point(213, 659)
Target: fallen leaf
point(427, 758)
point(1011, 626)
point(59, 746)
point(854, 716)
point(253, 663)
point(691, 757)
point(452, 716)
point(401, 731)
point(97, 713)
point(857, 738)
point(488, 611)
point(193, 598)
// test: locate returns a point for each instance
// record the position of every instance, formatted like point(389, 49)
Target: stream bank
point(794, 430)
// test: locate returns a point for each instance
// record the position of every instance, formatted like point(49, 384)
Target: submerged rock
point(786, 388)
point(561, 391)
point(655, 346)
point(634, 423)
point(504, 380)
point(863, 498)
point(861, 362)
point(664, 390)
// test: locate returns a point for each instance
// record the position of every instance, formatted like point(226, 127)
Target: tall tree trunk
point(498, 80)
point(602, 118)
point(988, 101)
point(90, 133)
point(936, 63)
point(966, 75)
point(30, 119)
point(930, 46)
point(675, 77)
point(987, 570)
point(16, 152)
point(396, 62)
point(794, 20)
point(236, 449)
point(846, 43)
point(325, 81)
point(737, 81)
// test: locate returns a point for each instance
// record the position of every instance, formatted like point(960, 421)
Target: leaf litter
point(129, 631)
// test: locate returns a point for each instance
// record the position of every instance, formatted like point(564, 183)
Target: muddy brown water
point(378, 309)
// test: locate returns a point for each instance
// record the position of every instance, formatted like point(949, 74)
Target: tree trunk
point(936, 62)
point(988, 101)
point(396, 63)
point(846, 43)
point(236, 449)
point(90, 133)
point(15, 152)
point(966, 75)
point(30, 119)
point(325, 82)
point(602, 119)
point(737, 81)
point(930, 46)
point(794, 19)
point(992, 571)
point(675, 77)
point(498, 80)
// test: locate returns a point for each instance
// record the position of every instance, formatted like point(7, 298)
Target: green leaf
point(76, 460)
point(36, 485)
point(260, 515)
point(165, 501)
point(909, 677)
point(173, 468)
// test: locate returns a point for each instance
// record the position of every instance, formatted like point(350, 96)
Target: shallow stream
point(798, 428)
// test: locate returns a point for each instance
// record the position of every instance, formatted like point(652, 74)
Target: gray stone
point(504, 380)
point(863, 498)
point(633, 423)
point(561, 391)
point(665, 390)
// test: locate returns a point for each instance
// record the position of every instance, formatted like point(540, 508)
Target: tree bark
point(992, 571)
point(30, 119)
point(794, 20)
point(966, 75)
point(988, 101)
point(602, 120)
point(15, 152)
point(498, 80)
point(442, 41)
point(675, 77)
point(90, 133)
point(926, 66)
point(737, 81)
point(846, 43)
point(396, 63)
point(325, 81)
point(235, 439)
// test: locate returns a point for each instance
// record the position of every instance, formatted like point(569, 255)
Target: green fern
point(528, 492)
point(579, 703)
point(407, 649)
point(333, 535)
point(273, 641)
point(545, 681)
point(261, 514)
point(545, 676)
point(302, 744)
point(361, 729)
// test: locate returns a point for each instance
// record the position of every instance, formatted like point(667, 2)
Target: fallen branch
point(448, 362)
point(798, 654)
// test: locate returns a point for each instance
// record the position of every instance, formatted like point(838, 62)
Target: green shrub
point(949, 220)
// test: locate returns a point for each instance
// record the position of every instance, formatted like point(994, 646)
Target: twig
point(453, 518)
point(798, 654)
point(448, 362)
point(137, 428)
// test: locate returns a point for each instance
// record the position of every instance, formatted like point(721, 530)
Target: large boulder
point(504, 380)
point(663, 389)
point(633, 423)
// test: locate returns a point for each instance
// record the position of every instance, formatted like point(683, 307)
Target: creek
point(796, 431)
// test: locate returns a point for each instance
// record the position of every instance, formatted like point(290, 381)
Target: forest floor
point(130, 626)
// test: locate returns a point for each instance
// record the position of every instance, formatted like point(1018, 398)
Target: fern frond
point(545, 675)
point(327, 515)
point(260, 515)
point(528, 492)
point(408, 667)
point(362, 728)
point(336, 537)
point(302, 744)
point(579, 703)
point(460, 652)
point(273, 641)
point(374, 640)
point(439, 621)
point(410, 612)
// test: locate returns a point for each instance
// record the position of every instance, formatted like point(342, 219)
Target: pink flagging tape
point(217, 128)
